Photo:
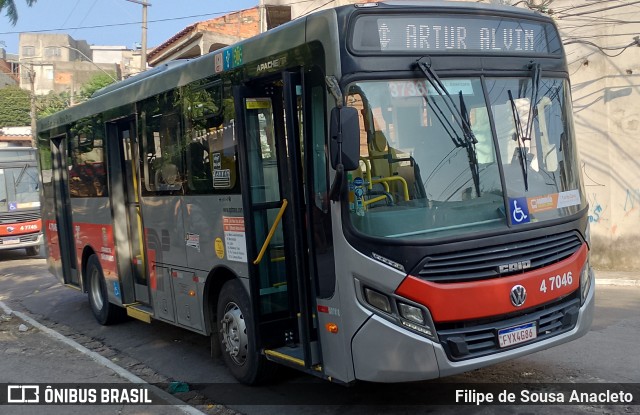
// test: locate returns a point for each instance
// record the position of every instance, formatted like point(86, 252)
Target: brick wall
point(244, 23)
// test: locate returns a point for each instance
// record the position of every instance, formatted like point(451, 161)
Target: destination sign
point(453, 34)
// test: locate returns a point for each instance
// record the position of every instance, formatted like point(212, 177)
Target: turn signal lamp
point(331, 327)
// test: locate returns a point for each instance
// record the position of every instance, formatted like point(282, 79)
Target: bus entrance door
point(128, 230)
point(271, 153)
point(66, 242)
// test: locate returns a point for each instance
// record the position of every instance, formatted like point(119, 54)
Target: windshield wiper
point(19, 179)
point(461, 119)
point(522, 135)
point(471, 149)
point(522, 149)
point(533, 103)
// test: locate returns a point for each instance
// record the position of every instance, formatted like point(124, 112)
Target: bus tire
point(236, 333)
point(33, 250)
point(104, 312)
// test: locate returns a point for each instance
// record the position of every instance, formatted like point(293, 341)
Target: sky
point(120, 19)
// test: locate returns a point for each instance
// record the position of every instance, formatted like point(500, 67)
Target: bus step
point(291, 355)
point(140, 312)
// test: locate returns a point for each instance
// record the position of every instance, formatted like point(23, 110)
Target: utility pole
point(143, 52)
point(34, 114)
point(31, 75)
point(262, 16)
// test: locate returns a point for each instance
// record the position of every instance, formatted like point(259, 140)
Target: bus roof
point(293, 34)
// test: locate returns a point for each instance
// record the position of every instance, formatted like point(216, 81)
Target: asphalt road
point(159, 352)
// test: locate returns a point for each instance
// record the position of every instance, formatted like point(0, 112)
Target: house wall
point(606, 100)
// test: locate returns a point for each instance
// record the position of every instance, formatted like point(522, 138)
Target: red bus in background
point(20, 223)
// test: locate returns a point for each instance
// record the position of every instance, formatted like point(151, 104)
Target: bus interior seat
point(199, 171)
point(381, 155)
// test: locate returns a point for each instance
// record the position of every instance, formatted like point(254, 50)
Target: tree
point(57, 101)
point(12, 10)
point(97, 82)
point(16, 106)
point(51, 103)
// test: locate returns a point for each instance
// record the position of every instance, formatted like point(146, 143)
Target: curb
point(617, 282)
point(103, 361)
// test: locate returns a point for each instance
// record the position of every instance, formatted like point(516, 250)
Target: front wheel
point(33, 250)
point(236, 333)
point(105, 312)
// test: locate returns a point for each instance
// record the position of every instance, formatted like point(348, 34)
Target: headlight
point(397, 309)
point(377, 300)
point(411, 313)
point(585, 282)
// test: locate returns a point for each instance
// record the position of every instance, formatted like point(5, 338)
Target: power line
point(118, 24)
point(572, 7)
point(70, 13)
point(636, 42)
point(598, 10)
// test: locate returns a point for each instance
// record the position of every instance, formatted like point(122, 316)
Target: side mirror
point(344, 144)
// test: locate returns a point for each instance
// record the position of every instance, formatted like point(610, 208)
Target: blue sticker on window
point(116, 289)
point(519, 210)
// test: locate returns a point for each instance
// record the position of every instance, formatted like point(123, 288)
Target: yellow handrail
point(272, 231)
point(366, 203)
point(367, 168)
point(395, 178)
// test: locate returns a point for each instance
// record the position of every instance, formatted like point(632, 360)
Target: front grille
point(479, 340)
point(19, 217)
point(33, 237)
point(484, 263)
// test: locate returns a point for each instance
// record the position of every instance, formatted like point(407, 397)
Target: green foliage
point(97, 82)
point(11, 10)
point(16, 107)
point(51, 103)
point(57, 101)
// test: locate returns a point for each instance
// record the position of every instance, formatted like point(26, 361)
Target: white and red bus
point(20, 223)
point(383, 192)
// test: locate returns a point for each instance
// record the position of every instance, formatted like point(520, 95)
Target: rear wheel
point(105, 312)
point(236, 333)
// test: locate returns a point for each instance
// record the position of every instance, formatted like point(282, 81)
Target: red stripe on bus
point(20, 228)
point(478, 299)
point(100, 238)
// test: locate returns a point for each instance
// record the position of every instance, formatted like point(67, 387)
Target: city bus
point(20, 221)
point(384, 192)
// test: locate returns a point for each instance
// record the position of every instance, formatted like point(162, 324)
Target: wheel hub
point(234, 334)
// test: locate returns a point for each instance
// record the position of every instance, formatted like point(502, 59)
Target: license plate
point(517, 334)
point(11, 241)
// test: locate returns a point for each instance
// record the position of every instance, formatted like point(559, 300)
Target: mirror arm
point(338, 184)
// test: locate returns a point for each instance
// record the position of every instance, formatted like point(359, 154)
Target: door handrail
point(272, 231)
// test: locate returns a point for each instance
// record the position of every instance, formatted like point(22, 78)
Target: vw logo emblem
point(518, 295)
point(10, 229)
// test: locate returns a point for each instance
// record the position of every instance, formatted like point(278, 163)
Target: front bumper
point(385, 352)
point(32, 239)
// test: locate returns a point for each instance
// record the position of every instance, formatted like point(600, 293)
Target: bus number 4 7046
point(556, 282)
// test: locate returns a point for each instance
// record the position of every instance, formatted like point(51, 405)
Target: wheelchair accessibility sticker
point(519, 210)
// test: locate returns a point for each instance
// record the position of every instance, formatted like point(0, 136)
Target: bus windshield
point(18, 188)
point(422, 175)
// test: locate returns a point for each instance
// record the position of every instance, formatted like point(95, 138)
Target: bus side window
point(161, 143)
point(87, 174)
point(211, 151)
